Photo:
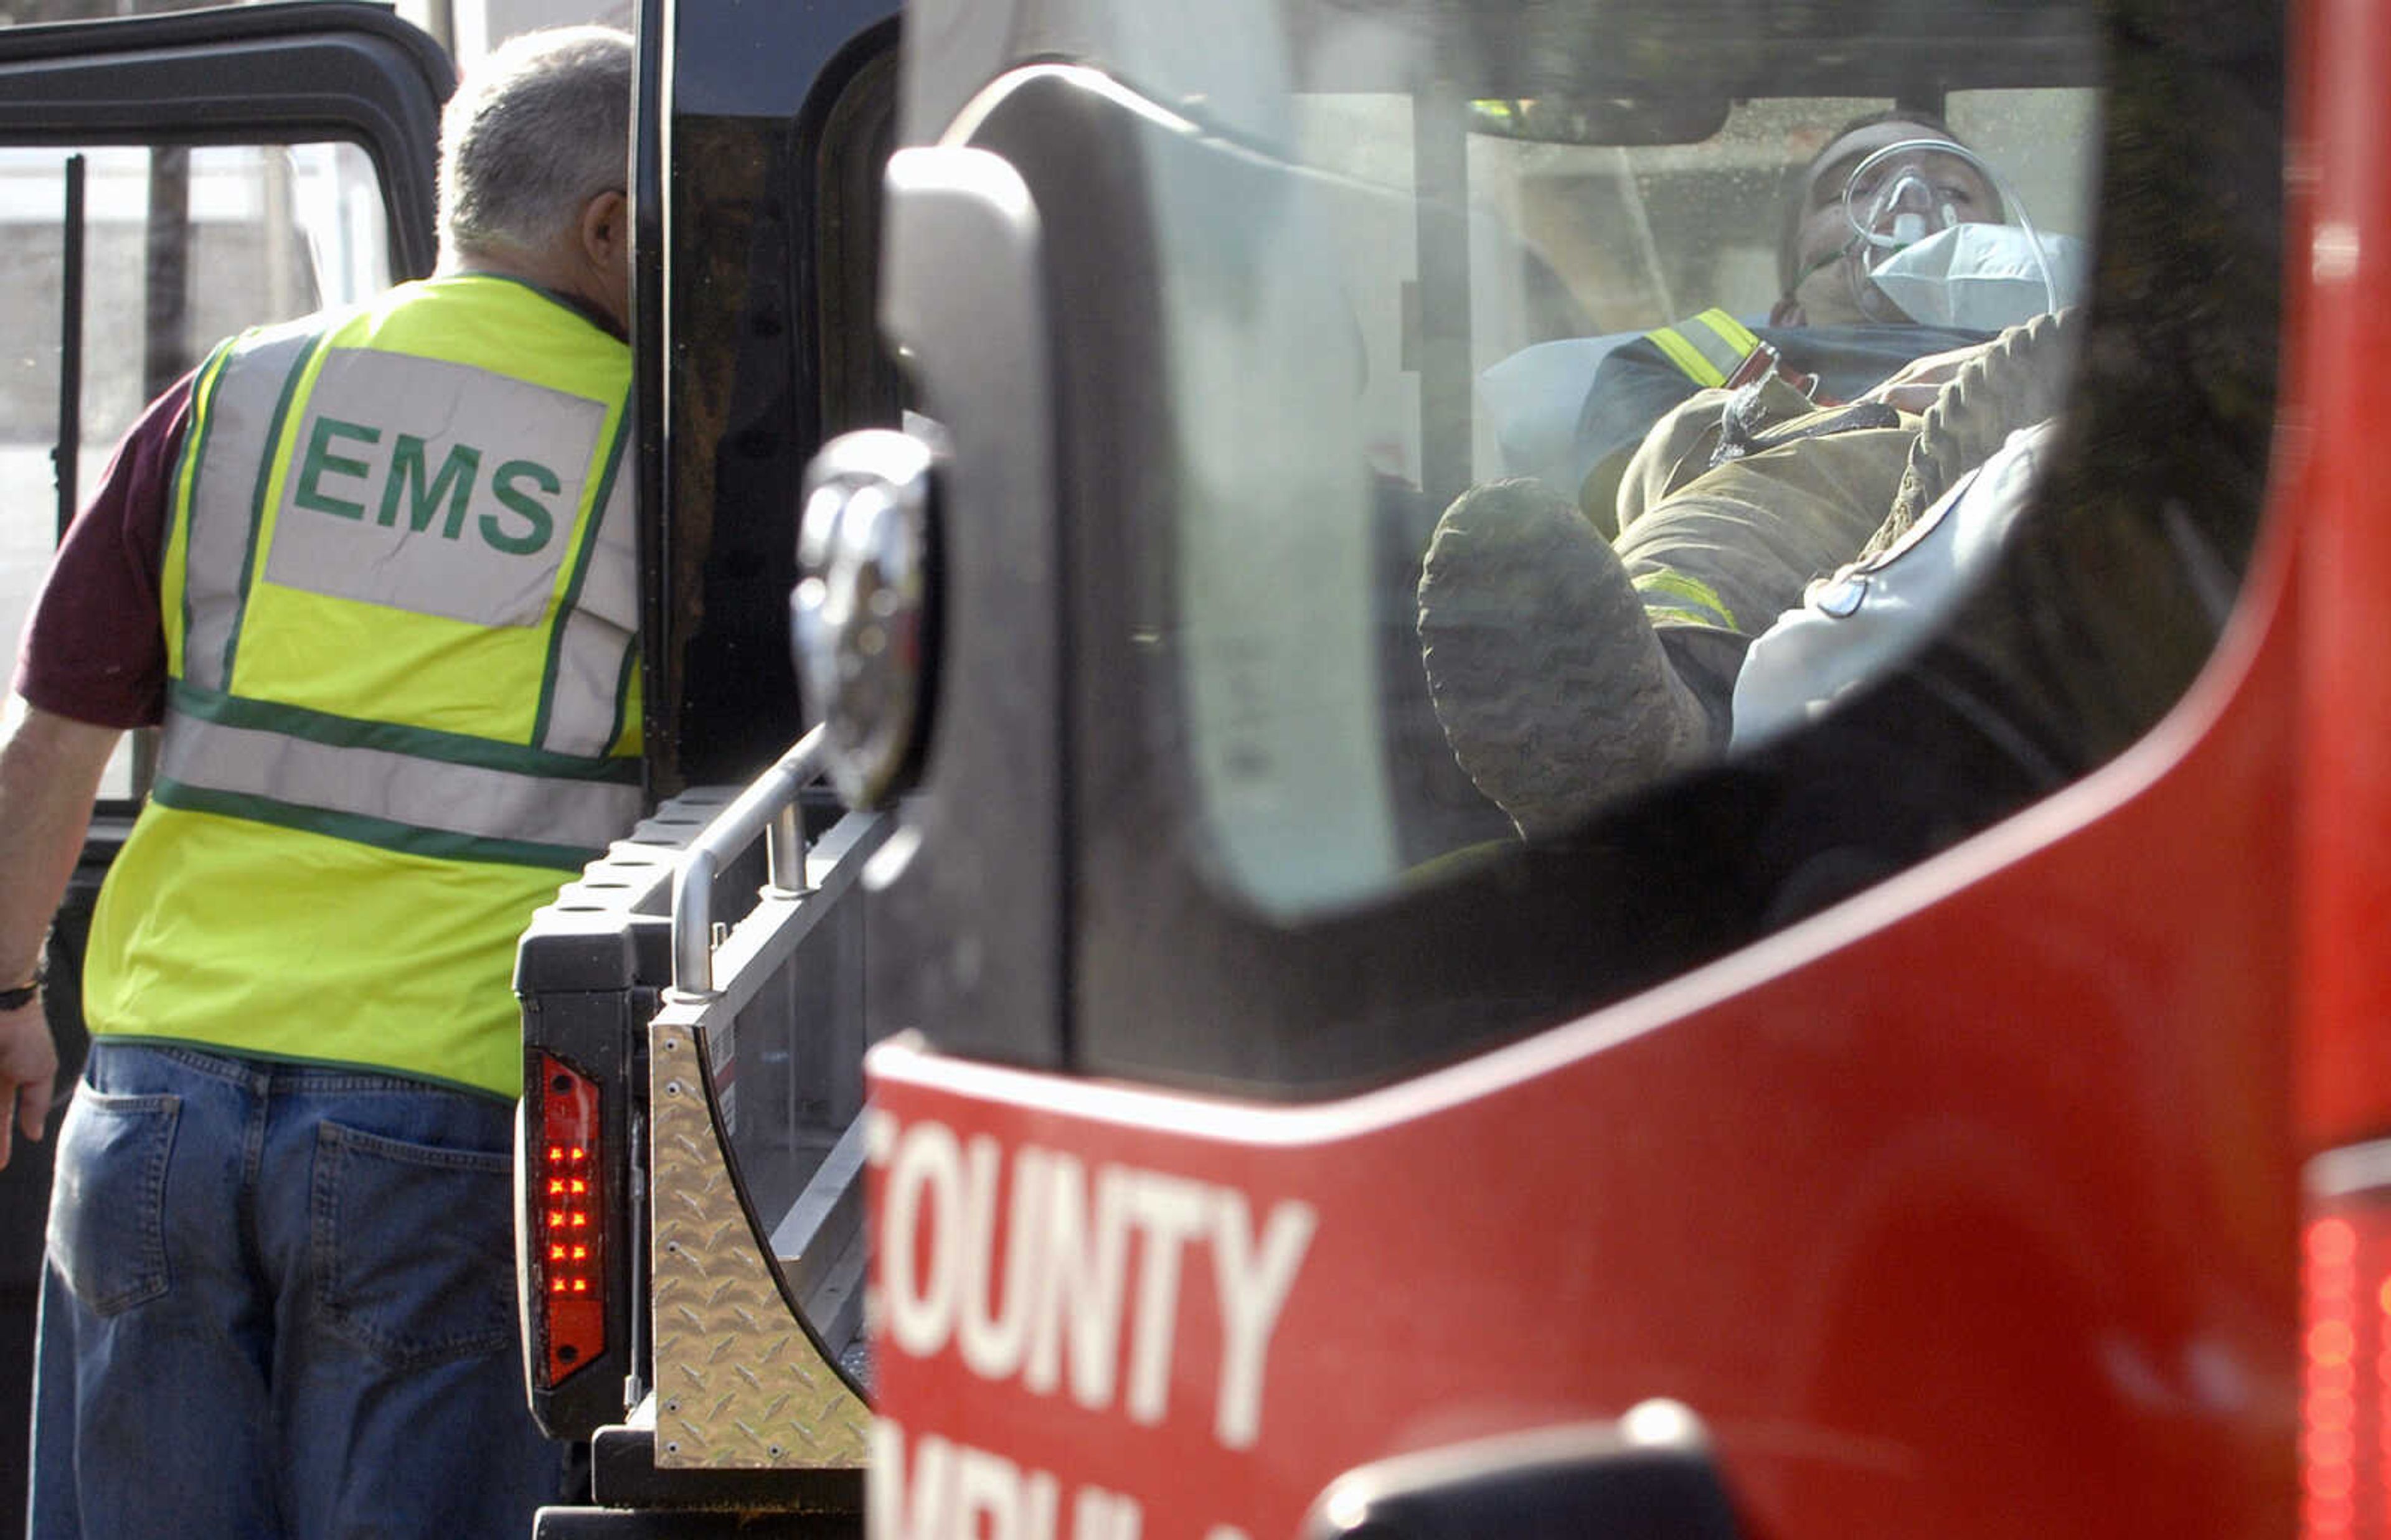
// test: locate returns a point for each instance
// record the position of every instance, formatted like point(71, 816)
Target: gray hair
point(537, 128)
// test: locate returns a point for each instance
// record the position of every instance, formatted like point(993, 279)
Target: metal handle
point(770, 802)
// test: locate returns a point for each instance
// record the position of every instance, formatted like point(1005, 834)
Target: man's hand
point(29, 1069)
point(1915, 385)
point(49, 770)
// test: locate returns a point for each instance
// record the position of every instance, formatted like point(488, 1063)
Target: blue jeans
point(279, 1300)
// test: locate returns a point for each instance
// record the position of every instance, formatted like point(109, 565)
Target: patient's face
point(1830, 292)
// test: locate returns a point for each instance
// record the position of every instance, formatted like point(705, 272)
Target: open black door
point(165, 181)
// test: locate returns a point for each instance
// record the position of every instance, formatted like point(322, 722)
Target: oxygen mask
point(1902, 208)
point(1938, 236)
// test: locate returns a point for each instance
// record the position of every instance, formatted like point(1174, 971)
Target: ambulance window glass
point(1528, 288)
point(176, 248)
point(1449, 497)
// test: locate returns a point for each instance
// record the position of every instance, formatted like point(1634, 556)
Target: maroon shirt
point(93, 648)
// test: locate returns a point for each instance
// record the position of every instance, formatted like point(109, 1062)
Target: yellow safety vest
point(400, 600)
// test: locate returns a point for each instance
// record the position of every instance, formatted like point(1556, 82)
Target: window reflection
point(1612, 406)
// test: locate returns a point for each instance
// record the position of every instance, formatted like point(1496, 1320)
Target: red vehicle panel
point(1916, 1206)
point(1968, 1206)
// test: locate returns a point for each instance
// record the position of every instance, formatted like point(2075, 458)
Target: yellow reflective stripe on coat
point(1673, 598)
point(1707, 347)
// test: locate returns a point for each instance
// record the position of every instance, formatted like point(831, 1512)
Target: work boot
point(1547, 677)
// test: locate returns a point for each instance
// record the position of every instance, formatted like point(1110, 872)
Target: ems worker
point(373, 572)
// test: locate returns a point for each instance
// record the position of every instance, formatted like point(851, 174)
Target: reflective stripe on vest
point(235, 417)
point(390, 787)
point(1707, 347)
point(404, 585)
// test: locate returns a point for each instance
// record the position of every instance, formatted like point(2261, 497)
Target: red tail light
point(2346, 1340)
point(569, 1232)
